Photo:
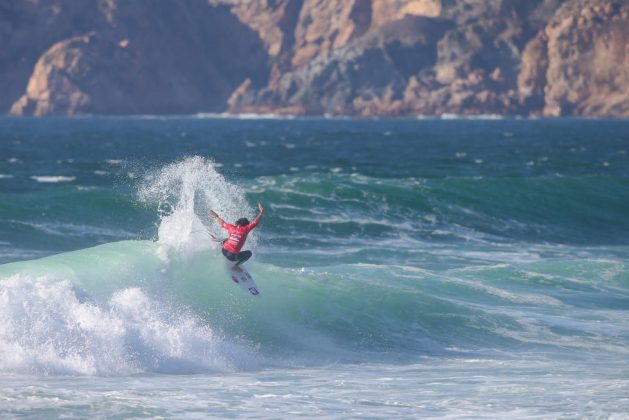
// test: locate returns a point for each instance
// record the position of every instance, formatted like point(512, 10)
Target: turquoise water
point(407, 268)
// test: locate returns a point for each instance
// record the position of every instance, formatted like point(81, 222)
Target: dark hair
point(243, 221)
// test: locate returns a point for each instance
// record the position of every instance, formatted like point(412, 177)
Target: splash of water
point(184, 192)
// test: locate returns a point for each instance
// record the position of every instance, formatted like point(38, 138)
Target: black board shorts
point(239, 258)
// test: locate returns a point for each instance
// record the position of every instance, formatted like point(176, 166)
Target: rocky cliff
point(348, 57)
point(124, 57)
point(579, 63)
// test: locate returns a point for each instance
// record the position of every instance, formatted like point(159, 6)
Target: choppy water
point(459, 268)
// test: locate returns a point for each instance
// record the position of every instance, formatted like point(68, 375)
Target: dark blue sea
point(408, 268)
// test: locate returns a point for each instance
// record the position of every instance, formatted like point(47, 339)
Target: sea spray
point(183, 193)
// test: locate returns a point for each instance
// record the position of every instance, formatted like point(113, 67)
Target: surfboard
point(238, 274)
point(242, 278)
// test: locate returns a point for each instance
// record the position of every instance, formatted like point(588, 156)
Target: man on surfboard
point(237, 235)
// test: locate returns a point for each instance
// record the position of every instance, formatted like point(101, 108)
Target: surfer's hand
point(261, 207)
point(213, 213)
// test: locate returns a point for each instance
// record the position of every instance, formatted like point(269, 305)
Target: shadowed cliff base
point(311, 57)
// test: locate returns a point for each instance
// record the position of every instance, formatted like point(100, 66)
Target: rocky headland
point(315, 57)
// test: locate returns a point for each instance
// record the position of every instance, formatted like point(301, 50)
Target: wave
point(120, 308)
point(53, 327)
point(570, 209)
point(41, 222)
point(168, 305)
point(335, 208)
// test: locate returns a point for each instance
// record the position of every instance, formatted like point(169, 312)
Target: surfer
point(237, 235)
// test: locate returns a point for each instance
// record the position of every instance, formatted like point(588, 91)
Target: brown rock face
point(415, 57)
point(349, 57)
point(365, 77)
point(387, 11)
point(274, 21)
point(539, 57)
point(27, 30)
point(51, 89)
point(532, 77)
point(327, 24)
point(588, 60)
point(155, 57)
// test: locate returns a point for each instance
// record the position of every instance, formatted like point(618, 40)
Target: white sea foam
point(448, 116)
point(51, 179)
point(51, 327)
point(243, 116)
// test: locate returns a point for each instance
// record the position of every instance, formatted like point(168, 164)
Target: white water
point(430, 388)
point(49, 328)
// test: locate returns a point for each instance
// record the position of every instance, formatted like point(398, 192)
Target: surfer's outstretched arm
point(257, 219)
point(217, 217)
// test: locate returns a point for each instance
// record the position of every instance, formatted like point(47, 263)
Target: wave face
point(112, 309)
point(365, 254)
point(183, 315)
point(168, 305)
point(567, 209)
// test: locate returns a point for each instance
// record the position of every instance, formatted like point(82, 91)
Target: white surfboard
point(242, 278)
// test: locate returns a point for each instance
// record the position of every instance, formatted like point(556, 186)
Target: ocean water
point(407, 268)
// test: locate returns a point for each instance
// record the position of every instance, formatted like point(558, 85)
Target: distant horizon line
point(271, 116)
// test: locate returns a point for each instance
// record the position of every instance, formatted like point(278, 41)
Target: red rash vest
point(237, 236)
